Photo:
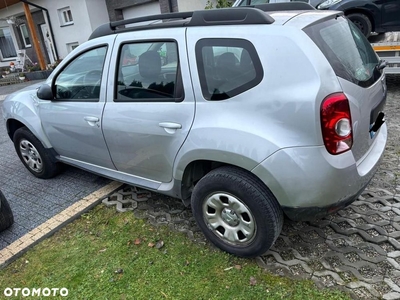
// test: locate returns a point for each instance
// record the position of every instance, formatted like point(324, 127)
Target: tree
point(220, 4)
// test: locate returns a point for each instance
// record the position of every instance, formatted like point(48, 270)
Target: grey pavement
point(34, 201)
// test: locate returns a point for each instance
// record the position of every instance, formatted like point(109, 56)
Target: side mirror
point(44, 92)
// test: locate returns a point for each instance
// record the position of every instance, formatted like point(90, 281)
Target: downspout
point(48, 19)
point(170, 5)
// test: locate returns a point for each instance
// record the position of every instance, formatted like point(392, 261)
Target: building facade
point(63, 25)
point(60, 25)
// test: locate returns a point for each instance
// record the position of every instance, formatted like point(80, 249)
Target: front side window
point(227, 67)
point(25, 35)
point(347, 50)
point(148, 72)
point(80, 80)
point(7, 48)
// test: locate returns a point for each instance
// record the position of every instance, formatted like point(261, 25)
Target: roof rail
point(226, 16)
point(110, 28)
point(284, 6)
point(229, 16)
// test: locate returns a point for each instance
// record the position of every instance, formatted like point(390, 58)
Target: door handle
point(170, 127)
point(92, 120)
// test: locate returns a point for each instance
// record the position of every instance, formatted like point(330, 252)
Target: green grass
point(108, 255)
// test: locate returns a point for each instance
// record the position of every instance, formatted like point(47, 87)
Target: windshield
point(347, 50)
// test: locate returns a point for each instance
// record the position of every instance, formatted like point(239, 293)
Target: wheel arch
point(197, 169)
point(36, 129)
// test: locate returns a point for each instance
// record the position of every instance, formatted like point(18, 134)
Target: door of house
point(48, 43)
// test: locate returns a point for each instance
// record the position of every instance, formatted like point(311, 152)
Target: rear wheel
point(33, 155)
point(362, 22)
point(6, 215)
point(236, 211)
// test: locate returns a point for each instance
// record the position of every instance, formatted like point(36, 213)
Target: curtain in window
point(6, 44)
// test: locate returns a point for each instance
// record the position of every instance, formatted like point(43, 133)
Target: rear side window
point(149, 72)
point(227, 67)
point(347, 50)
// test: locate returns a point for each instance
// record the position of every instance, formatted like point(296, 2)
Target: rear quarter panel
point(281, 111)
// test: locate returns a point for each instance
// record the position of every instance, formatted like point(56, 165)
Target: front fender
point(23, 107)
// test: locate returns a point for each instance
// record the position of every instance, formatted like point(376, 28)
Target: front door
point(152, 104)
point(72, 121)
point(48, 43)
point(390, 14)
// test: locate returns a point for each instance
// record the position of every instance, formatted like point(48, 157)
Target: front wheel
point(236, 211)
point(33, 155)
point(362, 22)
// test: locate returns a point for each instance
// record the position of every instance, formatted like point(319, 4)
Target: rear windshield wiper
point(381, 65)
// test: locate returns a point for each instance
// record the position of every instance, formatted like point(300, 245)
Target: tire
point(6, 215)
point(362, 22)
point(33, 155)
point(236, 211)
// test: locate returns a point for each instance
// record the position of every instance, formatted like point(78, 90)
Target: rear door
point(357, 67)
point(150, 104)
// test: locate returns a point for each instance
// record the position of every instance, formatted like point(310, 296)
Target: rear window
point(347, 50)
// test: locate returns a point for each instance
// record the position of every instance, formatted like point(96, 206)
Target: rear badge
point(380, 119)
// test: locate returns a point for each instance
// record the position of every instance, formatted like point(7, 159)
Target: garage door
point(142, 10)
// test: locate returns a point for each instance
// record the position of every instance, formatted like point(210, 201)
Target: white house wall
point(97, 12)
point(83, 18)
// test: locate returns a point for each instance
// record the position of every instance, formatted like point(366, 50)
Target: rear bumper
point(315, 212)
point(309, 183)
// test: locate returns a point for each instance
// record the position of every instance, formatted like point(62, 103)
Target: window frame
point(179, 90)
point(25, 37)
point(63, 15)
point(227, 42)
point(53, 85)
point(72, 46)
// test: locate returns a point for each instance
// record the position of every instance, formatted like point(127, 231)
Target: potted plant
point(22, 76)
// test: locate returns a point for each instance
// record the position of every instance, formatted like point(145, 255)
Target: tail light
point(336, 123)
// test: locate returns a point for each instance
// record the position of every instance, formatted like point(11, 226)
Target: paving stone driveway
point(34, 200)
point(356, 249)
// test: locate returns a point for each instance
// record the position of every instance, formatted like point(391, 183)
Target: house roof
point(6, 3)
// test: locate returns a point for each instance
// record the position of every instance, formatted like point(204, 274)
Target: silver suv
point(246, 113)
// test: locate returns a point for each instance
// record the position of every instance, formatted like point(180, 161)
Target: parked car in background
point(208, 113)
point(368, 15)
point(6, 215)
